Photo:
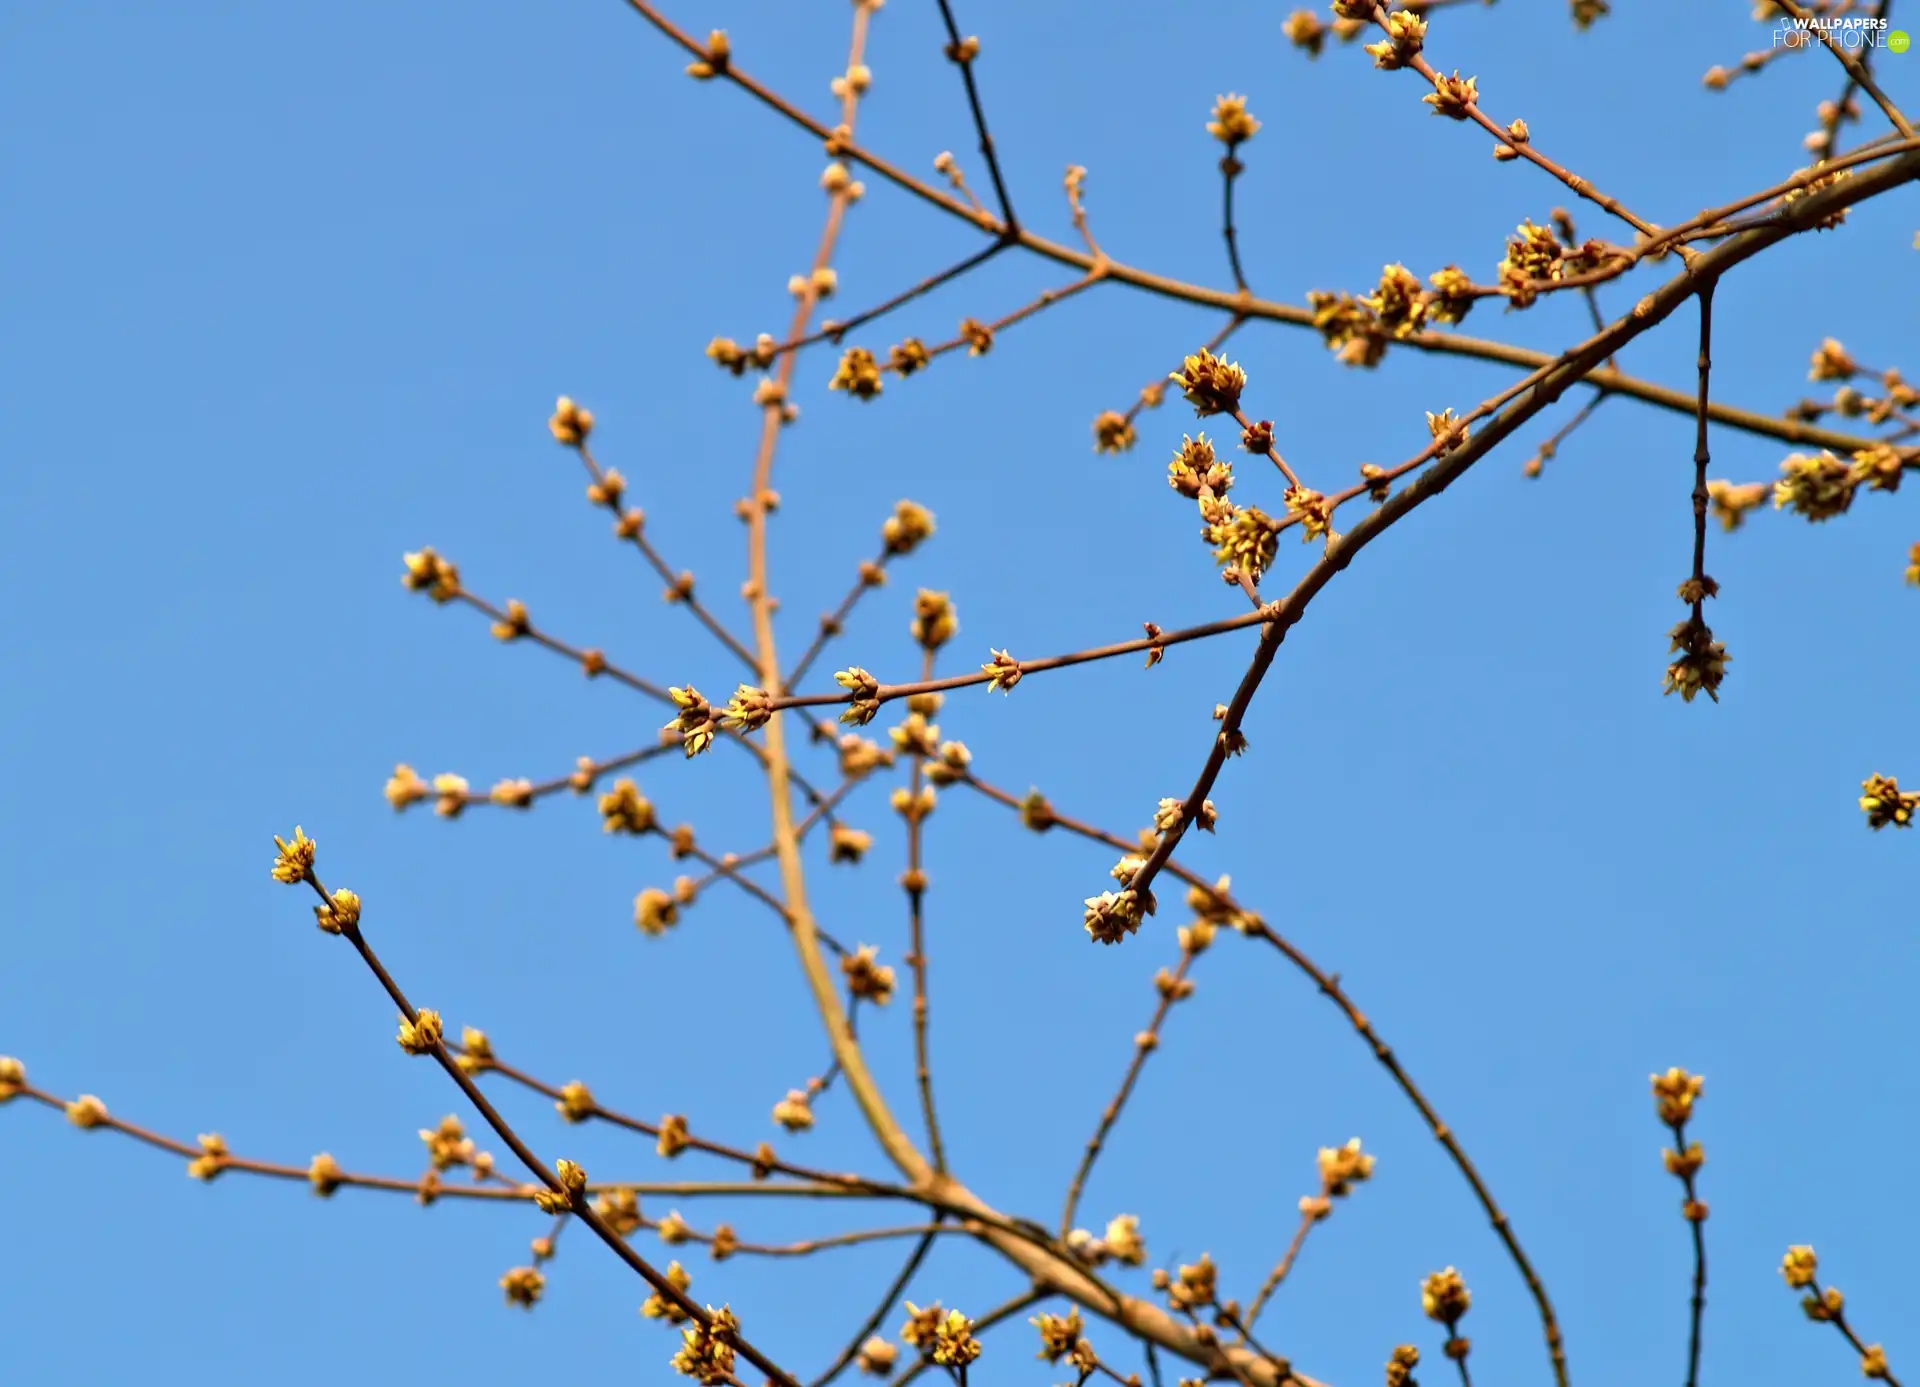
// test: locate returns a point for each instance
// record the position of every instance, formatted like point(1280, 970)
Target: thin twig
point(962, 53)
point(1838, 1318)
point(834, 623)
point(1701, 456)
point(1281, 1268)
point(1695, 1215)
point(1230, 170)
point(597, 665)
point(895, 1289)
point(849, 1185)
point(914, 881)
point(1765, 425)
point(834, 329)
point(581, 1208)
point(580, 780)
point(1145, 1043)
point(1856, 69)
point(632, 525)
point(1253, 927)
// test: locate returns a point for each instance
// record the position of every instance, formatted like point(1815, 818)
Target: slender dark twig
point(895, 1289)
point(1701, 456)
point(962, 53)
point(1230, 170)
point(915, 883)
point(584, 1211)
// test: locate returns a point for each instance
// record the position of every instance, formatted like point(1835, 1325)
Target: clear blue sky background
point(290, 290)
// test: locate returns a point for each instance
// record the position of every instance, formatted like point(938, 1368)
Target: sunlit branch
point(1252, 307)
point(575, 1199)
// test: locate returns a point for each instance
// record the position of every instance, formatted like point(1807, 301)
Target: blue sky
point(291, 290)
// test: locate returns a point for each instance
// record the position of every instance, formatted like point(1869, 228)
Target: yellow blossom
point(476, 1051)
point(1341, 1167)
point(858, 374)
point(405, 787)
point(1211, 384)
point(1059, 1334)
point(1451, 96)
point(654, 911)
point(659, 1307)
point(429, 573)
point(1232, 123)
point(213, 1157)
point(576, 1102)
point(619, 1209)
point(570, 424)
point(1884, 802)
point(325, 1175)
point(706, 1353)
point(904, 358)
point(1831, 361)
point(448, 1145)
point(623, 809)
point(794, 1112)
point(523, 1286)
point(1444, 1297)
point(867, 978)
point(1818, 486)
point(1731, 503)
point(696, 721)
point(907, 528)
point(673, 1135)
point(420, 1035)
point(1304, 29)
point(452, 791)
point(339, 913)
point(1112, 432)
point(953, 1343)
point(296, 858)
point(1399, 302)
point(876, 1357)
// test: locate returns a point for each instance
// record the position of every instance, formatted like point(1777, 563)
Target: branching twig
point(514, 624)
point(574, 1198)
point(1251, 307)
point(1400, 312)
point(894, 1290)
point(632, 525)
point(914, 882)
point(1172, 988)
point(1856, 69)
point(962, 52)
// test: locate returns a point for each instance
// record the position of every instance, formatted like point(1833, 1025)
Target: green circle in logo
point(1897, 40)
